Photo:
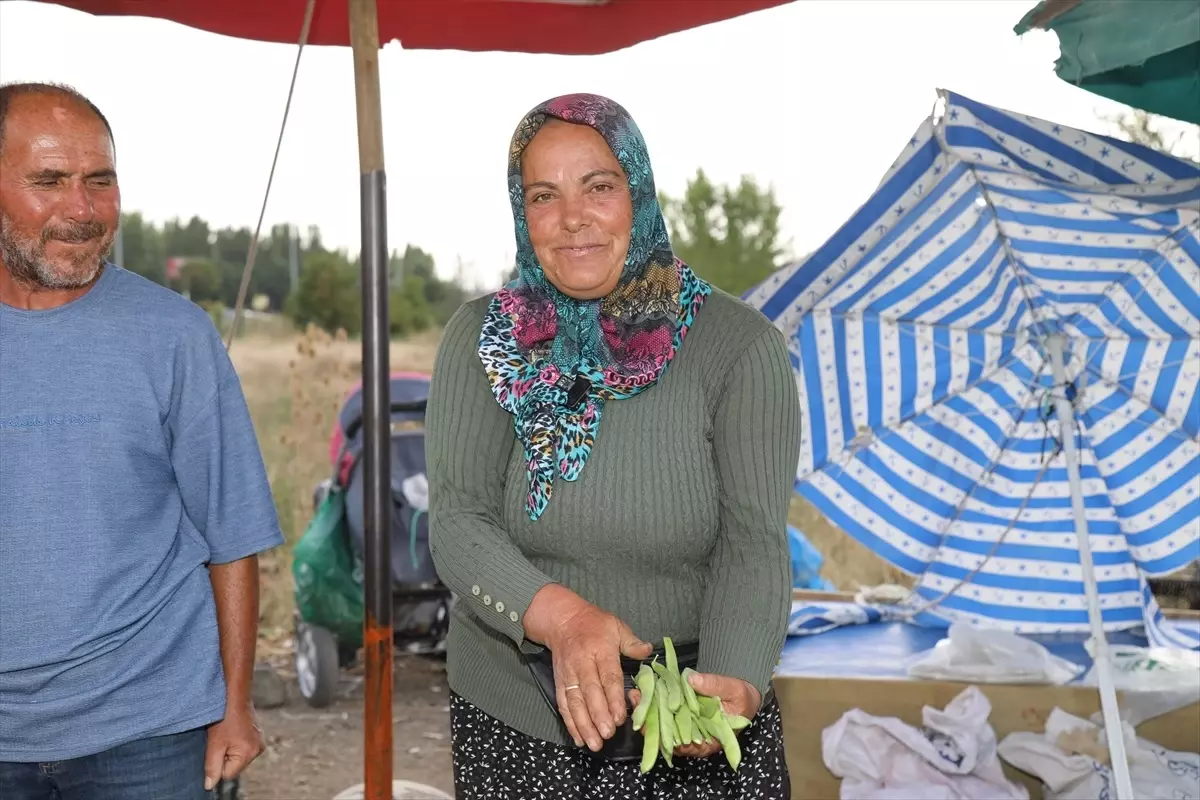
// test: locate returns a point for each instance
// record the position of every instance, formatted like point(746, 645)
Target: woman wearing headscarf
point(611, 444)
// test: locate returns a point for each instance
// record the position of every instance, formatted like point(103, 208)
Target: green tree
point(314, 240)
point(232, 247)
point(728, 234)
point(414, 261)
point(271, 276)
point(327, 295)
point(215, 260)
point(201, 279)
point(441, 298)
point(408, 310)
point(444, 298)
point(142, 248)
point(190, 239)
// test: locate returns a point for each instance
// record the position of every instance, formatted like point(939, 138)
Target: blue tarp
point(806, 563)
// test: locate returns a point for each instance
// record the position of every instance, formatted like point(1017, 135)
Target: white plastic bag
point(953, 757)
point(1153, 681)
point(416, 491)
point(1149, 669)
point(988, 655)
point(1071, 759)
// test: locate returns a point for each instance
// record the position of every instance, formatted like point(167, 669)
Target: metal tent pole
point(377, 625)
point(1056, 346)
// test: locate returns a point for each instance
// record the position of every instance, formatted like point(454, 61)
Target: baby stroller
point(328, 559)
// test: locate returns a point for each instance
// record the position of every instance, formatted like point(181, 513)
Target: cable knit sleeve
point(756, 441)
point(469, 440)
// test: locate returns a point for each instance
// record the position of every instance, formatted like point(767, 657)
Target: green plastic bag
point(328, 574)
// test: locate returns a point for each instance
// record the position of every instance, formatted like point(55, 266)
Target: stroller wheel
point(316, 664)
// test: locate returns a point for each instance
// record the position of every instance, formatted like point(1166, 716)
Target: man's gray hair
point(11, 91)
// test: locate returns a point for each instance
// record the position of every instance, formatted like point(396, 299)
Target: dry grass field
point(848, 565)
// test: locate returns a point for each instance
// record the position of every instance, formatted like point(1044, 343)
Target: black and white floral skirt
point(494, 762)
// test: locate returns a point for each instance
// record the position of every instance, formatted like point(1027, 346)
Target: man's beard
point(27, 263)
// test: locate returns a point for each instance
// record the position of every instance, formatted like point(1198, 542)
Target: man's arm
point(236, 740)
point(227, 499)
point(235, 589)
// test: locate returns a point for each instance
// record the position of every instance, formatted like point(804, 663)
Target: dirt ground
point(312, 754)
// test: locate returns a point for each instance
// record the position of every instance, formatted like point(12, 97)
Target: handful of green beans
point(671, 713)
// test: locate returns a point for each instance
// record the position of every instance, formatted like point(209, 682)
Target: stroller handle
point(398, 407)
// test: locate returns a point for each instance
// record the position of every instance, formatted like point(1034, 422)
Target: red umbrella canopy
point(567, 27)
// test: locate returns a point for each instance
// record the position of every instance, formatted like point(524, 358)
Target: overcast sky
point(816, 98)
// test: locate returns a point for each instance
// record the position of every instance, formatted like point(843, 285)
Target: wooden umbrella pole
point(377, 626)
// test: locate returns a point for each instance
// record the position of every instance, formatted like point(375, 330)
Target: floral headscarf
point(552, 361)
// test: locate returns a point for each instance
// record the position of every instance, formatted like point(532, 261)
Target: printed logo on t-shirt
point(26, 422)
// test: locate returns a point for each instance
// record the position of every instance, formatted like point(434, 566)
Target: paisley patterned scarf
point(552, 361)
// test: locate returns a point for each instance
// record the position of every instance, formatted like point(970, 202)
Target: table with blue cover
point(884, 650)
point(822, 676)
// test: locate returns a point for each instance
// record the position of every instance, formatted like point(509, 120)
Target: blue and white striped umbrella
point(923, 334)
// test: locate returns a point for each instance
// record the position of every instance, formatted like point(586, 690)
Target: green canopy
point(1144, 53)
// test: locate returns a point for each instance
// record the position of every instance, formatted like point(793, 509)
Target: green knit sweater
point(677, 524)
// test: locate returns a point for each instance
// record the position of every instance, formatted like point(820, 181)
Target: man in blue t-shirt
point(133, 498)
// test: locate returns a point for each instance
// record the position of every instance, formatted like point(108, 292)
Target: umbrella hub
point(1047, 409)
point(1073, 379)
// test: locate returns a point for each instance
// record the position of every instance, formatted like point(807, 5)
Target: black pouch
point(625, 743)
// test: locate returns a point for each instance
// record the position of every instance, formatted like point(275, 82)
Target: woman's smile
point(582, 251)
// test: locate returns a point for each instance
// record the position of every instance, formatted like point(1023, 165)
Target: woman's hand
point(586, 644)
point(737, 697)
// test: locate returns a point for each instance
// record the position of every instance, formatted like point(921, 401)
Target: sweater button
point(475, 591)
point(513, 616)
point(487, 599)
point(500, 606)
